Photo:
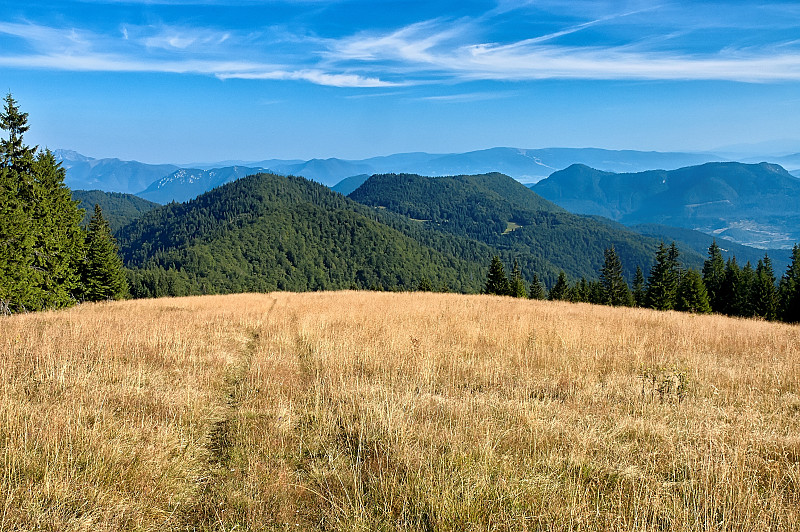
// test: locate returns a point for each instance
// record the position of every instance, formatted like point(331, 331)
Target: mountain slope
point(752, 204)
point(119, 209)
point(504, 214)
point(266, 232)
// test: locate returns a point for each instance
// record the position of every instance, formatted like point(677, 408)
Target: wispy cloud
point(438, 50)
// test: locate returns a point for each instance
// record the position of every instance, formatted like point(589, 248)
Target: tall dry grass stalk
point(370, 411)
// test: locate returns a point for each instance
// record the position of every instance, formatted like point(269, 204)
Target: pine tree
point(517, 285)
point(662, 285)
point(763, 294)
point(496, 280)
point(40, 233)
point(714, 275)
point(19, 279)
point(692, 294)
point(734, 294)
point(537, 290)
point(560, 290)
point(789, 290)
point(424, 285)
point(638, 288)
point(103, 274)
point(59, 237)
point(615, 290)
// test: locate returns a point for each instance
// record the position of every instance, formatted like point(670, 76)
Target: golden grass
point(375, 411)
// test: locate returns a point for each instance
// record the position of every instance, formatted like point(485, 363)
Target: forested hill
point(118, 208)
point(267, 232)
point(502, 213)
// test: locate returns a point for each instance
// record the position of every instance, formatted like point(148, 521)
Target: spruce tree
point(638, 288)
point(662, 284)
point(496, 280)
point(734, 292)
point(103, 274)
point(560, 290)
point(615, 290)
point(692, 294)
point(763, 294)
point(424, 285)
point(714, 275)
point(517, 285)
point(789, 290)
point(40, 233)
point(20, 278)
point(59, 237)
point(537, 290)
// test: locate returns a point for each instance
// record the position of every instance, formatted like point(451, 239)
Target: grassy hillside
point(376, 411)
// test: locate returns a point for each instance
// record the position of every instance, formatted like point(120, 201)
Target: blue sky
point(206, 80)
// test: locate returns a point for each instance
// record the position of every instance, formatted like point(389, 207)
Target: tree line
point(722, 286)
point(48, 259)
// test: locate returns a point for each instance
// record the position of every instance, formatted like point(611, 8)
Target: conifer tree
point(537, 290)
point(58, 234)
point(638, 288)
point(581, 291)
point(714, 275)
point(789, 290)
point(763, 294)
point(560, 290)
point(734, 293)
point(103, 274)
point(692, 294)
point(496, 280)
point(662, 285)
point(17, 232)
point(517, 285)
point(424, 285)
point(615, 290)
point(40, 233)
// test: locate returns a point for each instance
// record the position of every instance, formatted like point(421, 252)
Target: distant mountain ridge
point(524, 165)
point(751, 204)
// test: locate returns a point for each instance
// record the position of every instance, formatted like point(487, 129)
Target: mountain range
point(751, 204)
point(528, 166)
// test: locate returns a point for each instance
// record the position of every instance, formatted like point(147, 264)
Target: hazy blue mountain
point(751, 204)
point(790, 162)
point(188, 183)
point(109, 175)
point(523, 165)
point(349, 184)
point(118, 208)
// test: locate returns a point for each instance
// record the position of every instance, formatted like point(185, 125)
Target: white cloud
point(314, 76)
point(427, 52)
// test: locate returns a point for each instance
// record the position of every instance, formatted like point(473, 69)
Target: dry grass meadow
point(376, 411)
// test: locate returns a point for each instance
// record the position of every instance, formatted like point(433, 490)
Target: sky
point(210, 80)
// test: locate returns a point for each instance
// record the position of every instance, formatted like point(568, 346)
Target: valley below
point(359, 410)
